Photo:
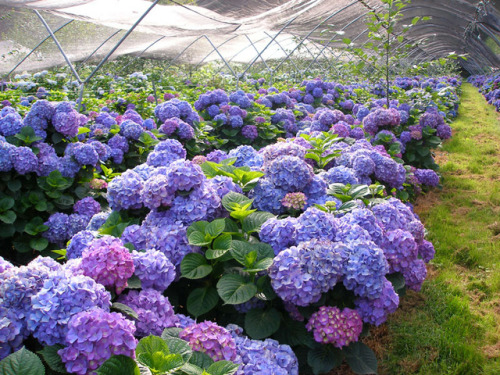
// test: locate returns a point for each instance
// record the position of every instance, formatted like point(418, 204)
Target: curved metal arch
point(215, 49)
point(98, 48)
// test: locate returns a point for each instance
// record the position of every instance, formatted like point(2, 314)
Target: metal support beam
point(72, 68)
point(99, 47)
point(142, 52)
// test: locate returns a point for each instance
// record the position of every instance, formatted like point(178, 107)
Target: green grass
point(453, 325)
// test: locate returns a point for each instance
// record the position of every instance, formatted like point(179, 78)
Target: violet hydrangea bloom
point(124, 192)
point(5, 265)
point(426, 251)
point(330, 325)
point(289, 173)
point(165, 153)
point(157, 193)
point(415, 274)
point(154, 269)
point(365, 269)
point(209, 338)
point(280, 234)
point(217, 156)
point(375, 311)
point(58, 300)
point(87, 206)
point(400, 250)
point(78, 243)
point(246, 156)
point(154, 310)
point(108, 262)
point(93, 337)
point(314, 223)
point(23, 159)
point(427, 177)
point(58, 228)
point(183, 175)
point(268, 197)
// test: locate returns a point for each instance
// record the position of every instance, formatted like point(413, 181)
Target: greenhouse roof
point(233, 31)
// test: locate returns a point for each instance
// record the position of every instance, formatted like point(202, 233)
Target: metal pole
point(220, 55)
point(256, 50)
point(272, 40)
point(315, 28)
point(144, 50)
point(120, 42)
point(283, 49)
point(215, 49)
point(59, 46)
point(34, 49)
point(103, 43)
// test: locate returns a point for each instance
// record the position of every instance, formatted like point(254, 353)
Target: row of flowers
point(205, 233)
point(489, 86)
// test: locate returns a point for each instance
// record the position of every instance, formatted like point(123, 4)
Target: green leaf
point(171, 333)
point(240, 250)
point(6, 203)
point(41, 206)
point(181, 347)
point(261, 265)
point(190, 369)
point(264, 250)
point(14, 185)
point(293, 333)
point(215, 228)
point(202, 300)
point(397, 280)
point(161, 363)
point(215, 253)
point(231, 226)
point(222, 368)
point(223, 242)
point(124, 309)
point(119, 364)
point(198, 239)
point(52, 358)
point(232, 200)
point(39, 244)
point(361, 358)
point(260, 324)
point(201, 360)
point(323, 358)
point(194, 266)
point(254, 221)
point(83, 130)
point(151, 344)
point(198, 226)
point(235, 289)
point(8, 217)
point(22, 362)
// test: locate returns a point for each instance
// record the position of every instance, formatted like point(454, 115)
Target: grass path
point(453, 325)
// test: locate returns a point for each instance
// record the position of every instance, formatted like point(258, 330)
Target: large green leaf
point(201, 360)
point(254, 221)
point(232, 200)
point(161, 363)
point(198, 226)
point(240, 250)
point(223, 368)
point(8, 217)
point(235, 289)
point(202, 300)
point(22, 362)
point(361, 358)
point(125, 310)
point(6, 203)
point(199, 239)
point(260, 324)
point(171, 332)
point(323, 358)
point(151, 344)
point(52, 358)
point(181, 347)
point(119, 364)
point(215, 228)
point(194, 266)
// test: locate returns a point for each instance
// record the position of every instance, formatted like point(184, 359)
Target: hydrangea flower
point(415, 274)
point(97, 221)
point(427, 177)
point(341, 175)
point(11, 334)
point(289, 173)
point(60, 298)
point(108, 262)
point(365, 269)
point(366, 220)
point(154, 310)
point(157, 193)
point(154, 269)
point(23, 159)
point(93, 337)
point(124, 192)
point(280, 234)
point(276, 150)
point(217, 156)
point(209, 338)
point(295, 201)
point(314, 223)
point(165, 153)
point(131, 130)
point(300, 274)
point(78, 243)
point(183, 175)
point(5, 156)
point(426, 251)
point(268, 197)
point(58, 228)
point(375, 311)
point(5, 265)
point(330, 325)
point(224, 185)
point(133, 234)
point(87, 206)
point(246, 156)
point(250, 132)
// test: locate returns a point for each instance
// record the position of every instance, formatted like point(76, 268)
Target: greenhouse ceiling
point(233, 31)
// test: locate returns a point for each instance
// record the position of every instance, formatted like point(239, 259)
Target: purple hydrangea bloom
point(154, 269)
point(389, 217)
point(330, 325)
point(91, 341)
point(61, 297)
point(295, 201)
point(77, 223)
point(154, 310)
point(5, 265)
point(365, 269)
point(85, 154)
point(133, 234)
point(11, 334)
point(415, 274)
point(66, 121)
point(253, 303)
point(267, 197)
point(246, 156)
point(58, 228)
point(224, 185)
point(169, 126)
point(427, 177)
point(157, 193)
point(426, 251)
point(5, 156)
point(183, 175)
point(10, 124)
point(165, 153)
point(23, 159)
point(108, 262)
point(118, 142)
point(250, 132)
point(124, 192)
point(375, 311)
point(300, 274)
point(79, 242)
point(366, 220)
point(185, 131)
point(289, 173)
point(211, 339)
point(444, 131)
point(280, 234)
point(131, 130)
point(184, 321)
point(97, 221)
point(314, 223)
point(217, 156)
point(277, 150)
point(340, 174)
point(87, 206)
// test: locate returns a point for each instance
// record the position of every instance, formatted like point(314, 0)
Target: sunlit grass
point(453, 325)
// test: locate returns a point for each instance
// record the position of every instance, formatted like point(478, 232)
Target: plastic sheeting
point(236, 31)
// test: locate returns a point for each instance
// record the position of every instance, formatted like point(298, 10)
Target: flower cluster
point(154, 269)
point(94, 336)
point(209, 338)
point(330, 325)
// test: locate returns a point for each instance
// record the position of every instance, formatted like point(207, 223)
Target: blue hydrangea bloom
point(124, 192)
point(280, 234)
point(246, 156)
point(23, 159)
point(78, 243)
point(154, 269)
point(267, 197)
point(289, 173)
point(314, 223)
point(375, 311)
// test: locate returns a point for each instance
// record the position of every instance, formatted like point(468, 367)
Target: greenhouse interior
point(202, 187)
